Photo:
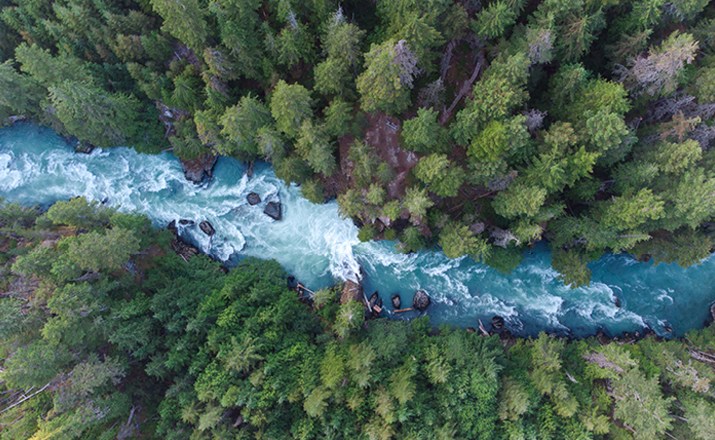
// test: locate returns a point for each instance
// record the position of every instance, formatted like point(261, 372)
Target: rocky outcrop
point(83, 147)
point(352, 291)
point(182, 248)
point(497, 323)
point(421, 301)
point(200, 169)
point(273, 210)
point(253, 198)
point(207, 228)
point(396, 301)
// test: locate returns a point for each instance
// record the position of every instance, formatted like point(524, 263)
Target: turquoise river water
point(319, 247)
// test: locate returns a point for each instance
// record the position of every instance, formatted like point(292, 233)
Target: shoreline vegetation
point(108, 331)
point(479, 127)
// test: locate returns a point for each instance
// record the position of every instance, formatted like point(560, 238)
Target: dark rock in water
point(712, 313)
point(207, 228)
point(396, 301)
point(352, 291)
point(249, 170)
point(273, 210)
point(373, 299)
point(200, 169)
point(182, 248)
point(498, 322)
point(617, 301)
point(421, 300)
point(379, 302)
point(83, 147)
point(667, 327)
point(253, 198)
point(292, 282)
point(186, 222)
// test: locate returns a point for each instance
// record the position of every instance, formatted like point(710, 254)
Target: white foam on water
point(9, 178)
point(318, 246)
point(664, 295)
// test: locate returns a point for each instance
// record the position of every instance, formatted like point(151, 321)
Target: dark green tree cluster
point(106, 333)
point(505, 122)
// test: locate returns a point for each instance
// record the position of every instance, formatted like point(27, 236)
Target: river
point(319, 247)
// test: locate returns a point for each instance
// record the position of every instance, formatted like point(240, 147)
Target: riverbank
point(103, 299)
point(319, 247)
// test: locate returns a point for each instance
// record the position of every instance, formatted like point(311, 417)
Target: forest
point(107, 333)
point(481, 127)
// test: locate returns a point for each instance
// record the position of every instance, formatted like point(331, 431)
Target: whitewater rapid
point(319, 247)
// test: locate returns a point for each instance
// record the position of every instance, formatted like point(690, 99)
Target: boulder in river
point(712, 313)
point(617, 301)
point(273, 210)
point(182, 248)
point(373, 299)
point(200, 169)
point(497, 322)
point(207, 228)
point(396, 301)
point(421, 300)
point(253, 198)
point(186, 222)
point(83, 147)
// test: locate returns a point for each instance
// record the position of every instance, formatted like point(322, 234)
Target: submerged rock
point(617, 301)
point(253, 198)
point(273, 210)
point(498, 322)
point(186, 222)
point(421, 300)
point(396, 301)
point(200, 169)
point(207, 228)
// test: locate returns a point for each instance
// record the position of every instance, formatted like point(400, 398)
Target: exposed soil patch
point(383, 135)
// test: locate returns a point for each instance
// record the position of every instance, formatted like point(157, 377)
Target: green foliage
point(519, 200)
point(441, 176)
point(290, 107)
point(95, 116)
point(184, 20)
point(384, 84)
point(241, 124)
point(194, 346)
point(588, 108)
point(79, 213)
point(457, 240)
point(493, 20)
point(423, 133)
point(417, 202)
point(97, 252)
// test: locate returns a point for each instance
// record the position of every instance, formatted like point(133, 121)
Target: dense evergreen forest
point(106, 332)
point(480, 126)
